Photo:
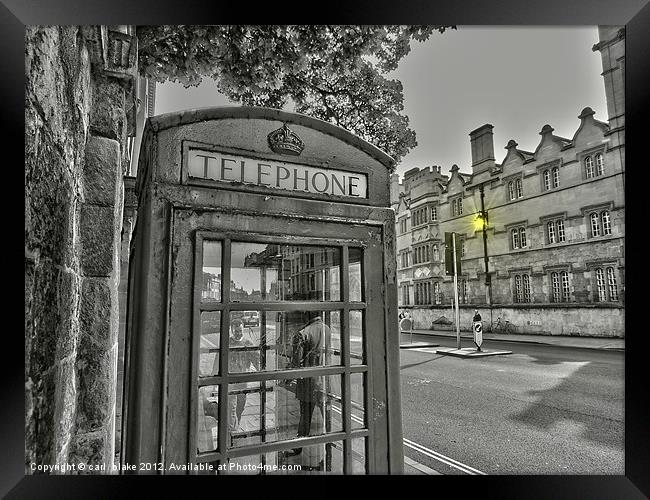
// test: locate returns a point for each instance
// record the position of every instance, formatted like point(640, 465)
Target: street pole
point(488, 278)
point(453, 238)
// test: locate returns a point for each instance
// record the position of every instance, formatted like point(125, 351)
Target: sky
point(516, 78)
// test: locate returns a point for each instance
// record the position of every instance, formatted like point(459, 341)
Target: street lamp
point(481, 223)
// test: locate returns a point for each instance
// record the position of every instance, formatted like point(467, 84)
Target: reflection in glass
point(275, 410)
point(208, 418)
point(355, 256)
point(316, 459)
point(244, 342)
point(283, 340)
point(211, 289)
point(357, 397)
point(274, 272)
point(209, 344)
point(359, 456)
point(356, 338)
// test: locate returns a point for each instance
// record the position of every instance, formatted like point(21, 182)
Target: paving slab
point(469, 352)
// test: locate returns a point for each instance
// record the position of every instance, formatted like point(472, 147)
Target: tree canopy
point(335, 73)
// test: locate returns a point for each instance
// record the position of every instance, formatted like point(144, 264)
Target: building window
point(434, 214)
point(423, 293)
point(556, 177)
point(611, 282)
point(565, 286)
point(555, 231)
point(522, 291)
point(560, 286)
point(600, 165)
point(402, 225)
point(594, 166)
point(405, 295)
point(436, 253)
point(462, 247)
point(552, 238)
point(526, 282)
point(589, 167)
point(606, 286)
point(555, 283)
point(551, 178)
point(405, 259)
point(547, 180)
point(600, 223)
point(518, 238)
point(436, 293)
point(595, 224)
point(604, 219)
point(456, 207)
point(515, 189)
point(559, 224)
point(515, 238)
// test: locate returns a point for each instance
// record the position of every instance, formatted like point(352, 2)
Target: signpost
point(477, 327)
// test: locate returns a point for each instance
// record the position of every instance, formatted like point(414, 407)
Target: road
point(540, 410)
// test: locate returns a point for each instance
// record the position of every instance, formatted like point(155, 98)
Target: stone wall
point(584, 319)
point(75, 133)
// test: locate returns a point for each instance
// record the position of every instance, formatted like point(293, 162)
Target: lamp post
point(483, 218)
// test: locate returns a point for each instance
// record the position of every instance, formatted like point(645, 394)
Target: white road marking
point(442, 458)
point(429, 453)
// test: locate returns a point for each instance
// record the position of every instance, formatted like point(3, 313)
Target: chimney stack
point(482, 144)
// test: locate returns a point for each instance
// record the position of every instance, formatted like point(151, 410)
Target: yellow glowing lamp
point(480, 222)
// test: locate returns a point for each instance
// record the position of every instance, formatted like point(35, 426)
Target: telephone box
point(262, 331)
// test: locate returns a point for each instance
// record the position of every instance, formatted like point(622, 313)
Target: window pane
point(358, 398)
point(560, 230)
point(595, 226)
point(291, 339)
point(211, 288)
point(273, 410)
point(357, 352)
point(611, 280)
point(207, 419)
point(209, 343)
point(244, 342)
point(607, 228)
point(269, 272)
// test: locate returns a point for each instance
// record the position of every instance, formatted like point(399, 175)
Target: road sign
point(477, 327)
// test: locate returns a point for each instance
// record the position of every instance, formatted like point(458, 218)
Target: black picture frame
point(634, 14)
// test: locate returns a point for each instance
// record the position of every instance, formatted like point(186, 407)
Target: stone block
point(51, 193)
point(107, 114)
point(88, 448)
point(42, 322)
point(96, 386)
point(40, 401)
point(98, 312)
point(102, 173)
point(97, 228)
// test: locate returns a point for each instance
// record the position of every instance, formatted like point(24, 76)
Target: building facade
point(555, 227)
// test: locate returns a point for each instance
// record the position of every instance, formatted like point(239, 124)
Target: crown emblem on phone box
point(285, 141)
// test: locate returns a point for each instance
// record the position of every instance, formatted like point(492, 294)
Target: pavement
point(407, 342)
point(616, 344)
